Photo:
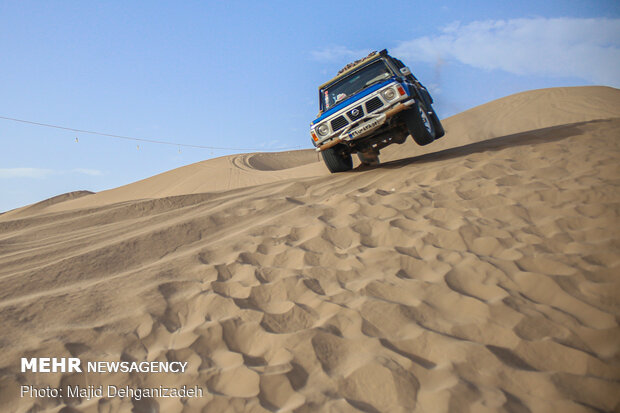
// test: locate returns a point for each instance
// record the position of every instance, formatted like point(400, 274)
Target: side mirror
point(405, 71)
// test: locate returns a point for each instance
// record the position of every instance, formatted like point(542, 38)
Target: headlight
point(389, 94)
point(322, 129)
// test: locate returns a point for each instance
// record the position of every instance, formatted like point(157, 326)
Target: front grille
point(358, 113)
point(339, 123)
point(373, 104)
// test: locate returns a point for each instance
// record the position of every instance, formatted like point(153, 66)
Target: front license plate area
point(365, 128)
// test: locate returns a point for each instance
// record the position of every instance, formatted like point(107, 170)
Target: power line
point(160, 142)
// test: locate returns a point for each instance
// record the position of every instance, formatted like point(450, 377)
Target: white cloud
point(571, 47)
point(91, 172)
point(25, 172)
point(337, 54)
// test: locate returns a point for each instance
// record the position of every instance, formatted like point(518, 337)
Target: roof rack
point(351, 66)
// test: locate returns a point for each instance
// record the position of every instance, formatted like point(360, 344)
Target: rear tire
point(419, 123)
point(338, 159)
point(370, 158)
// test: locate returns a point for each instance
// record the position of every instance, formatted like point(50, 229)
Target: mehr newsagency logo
point(74, 365)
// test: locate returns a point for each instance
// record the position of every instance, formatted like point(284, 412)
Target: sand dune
point(479, 273)
point(525, 111)
point(214, 175)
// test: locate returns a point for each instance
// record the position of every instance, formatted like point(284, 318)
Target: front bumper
point(364, 126)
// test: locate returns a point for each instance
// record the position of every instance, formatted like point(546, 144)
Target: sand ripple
point(478, 278)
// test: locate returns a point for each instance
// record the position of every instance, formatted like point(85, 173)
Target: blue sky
point(243, 74)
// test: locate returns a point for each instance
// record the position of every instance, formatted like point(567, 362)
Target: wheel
point(370, 158)
point(338, 159)
point(428, 100)
point(419, 124)
point(439, 131)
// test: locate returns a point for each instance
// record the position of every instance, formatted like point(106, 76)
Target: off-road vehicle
point(372, 103)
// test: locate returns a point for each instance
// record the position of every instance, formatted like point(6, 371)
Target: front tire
point(420, 125)
point(337, 159)
point(439, 130)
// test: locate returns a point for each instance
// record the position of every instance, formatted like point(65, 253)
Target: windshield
point(352, 84)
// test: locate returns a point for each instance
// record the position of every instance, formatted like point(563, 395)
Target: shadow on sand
point(536, 136)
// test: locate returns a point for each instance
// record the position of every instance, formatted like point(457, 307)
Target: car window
point(354, 83)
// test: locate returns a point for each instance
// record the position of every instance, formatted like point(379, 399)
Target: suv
point(370, 104)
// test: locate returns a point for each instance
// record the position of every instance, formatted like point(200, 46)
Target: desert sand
point(480, 273)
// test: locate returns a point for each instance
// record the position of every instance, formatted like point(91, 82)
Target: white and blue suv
point(372, 103)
